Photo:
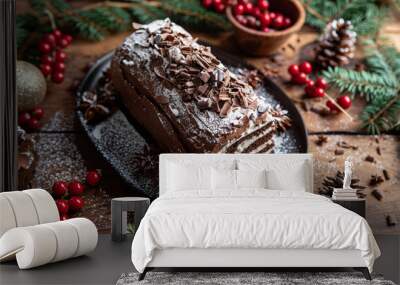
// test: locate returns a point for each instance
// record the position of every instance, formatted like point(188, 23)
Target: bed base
point(250, 259)
point(363, 270)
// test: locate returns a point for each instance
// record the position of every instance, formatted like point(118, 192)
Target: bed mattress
point(250, 219)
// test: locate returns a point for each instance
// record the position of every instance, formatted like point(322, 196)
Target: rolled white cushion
point(87, 235)
point(40, 244)
point(23, 208)
point(33, 246)
point(45, 205)
point(66, 238)
point(7, 218)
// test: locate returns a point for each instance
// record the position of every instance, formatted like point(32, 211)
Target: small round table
point(119, 208)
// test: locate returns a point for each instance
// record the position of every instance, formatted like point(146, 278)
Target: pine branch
point(365, 15)
point(364, 83)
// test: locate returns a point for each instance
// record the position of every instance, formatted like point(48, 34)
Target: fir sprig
point(95, 20)
point(379, 85)
point(365, 15)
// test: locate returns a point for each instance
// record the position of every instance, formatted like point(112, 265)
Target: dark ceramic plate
point(133, 154)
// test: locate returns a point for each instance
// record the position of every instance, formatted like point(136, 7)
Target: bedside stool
point(119, 208)
point(357, 205)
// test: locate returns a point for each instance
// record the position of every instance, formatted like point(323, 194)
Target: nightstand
point(356, 205)
point(119, 208)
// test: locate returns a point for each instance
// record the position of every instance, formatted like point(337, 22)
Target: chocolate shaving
point(344, 144)
point(321, 140)
point(378, 150)
point(391, 221)
point(375, 180)
point(386, 174)
point(339, 151)
point(377, 194)
point(162, 99)
point(370, 158)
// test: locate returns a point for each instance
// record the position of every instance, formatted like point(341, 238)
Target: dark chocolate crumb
point(321, 140)
point(339, 151)
point(386, 174)
point(370, 158)
point(378, 150)
point(375, 180)
point(377, 194)
point(391, 221)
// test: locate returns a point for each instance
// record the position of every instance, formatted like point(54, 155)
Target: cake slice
point(186, 99)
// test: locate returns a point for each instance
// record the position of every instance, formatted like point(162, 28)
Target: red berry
point(263, 4)
point(321, 83)
point(59, 66)
point(62, 206)
point(63, 217)
point(272, 15)
point(309, 89)
point(37, 113)
point(60, 188)
point(265, 20)
point(287, 22)
point(57, 77)
point(257, 12)
point(331, 106)
point(293, 69)
point(60, 56)
point(248, 8)
point(44, 47)
point(46, 69)
point(76, 203)
point(300, 78)
point(344, 101)
point(50, 39)
point(23, 118)
point(76, 188)
point(306, 67)
point(33, 124)
point(68, 38)
point(238, 9)
point(265, 29)
point(242, 20)
point(62, 42)
point(219, 8)
point(278, 22)
point(93, 177)
point(319, 92)
point(46, 59)
point(57, 34)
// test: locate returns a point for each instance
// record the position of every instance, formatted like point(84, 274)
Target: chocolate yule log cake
point(186, 98)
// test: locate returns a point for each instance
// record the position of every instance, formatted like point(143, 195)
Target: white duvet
point(254, 218)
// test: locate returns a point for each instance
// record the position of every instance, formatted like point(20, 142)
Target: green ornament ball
point(30, 86)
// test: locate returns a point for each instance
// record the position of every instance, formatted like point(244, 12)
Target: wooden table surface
point(60, 126)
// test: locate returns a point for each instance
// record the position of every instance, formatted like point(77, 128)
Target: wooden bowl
point(258, 43)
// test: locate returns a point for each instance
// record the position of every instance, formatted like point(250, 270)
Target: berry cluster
point(31, 120)
point(53, 57)
point(256, 15)
point(252, 14)
point(68, 195)
point(315, 89)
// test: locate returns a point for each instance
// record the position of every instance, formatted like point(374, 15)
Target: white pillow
point(290, 180)
point(223, 179)
point(283, 173)
point(183, 178)
point(251, 178)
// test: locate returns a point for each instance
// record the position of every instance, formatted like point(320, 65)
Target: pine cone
point(336, 46)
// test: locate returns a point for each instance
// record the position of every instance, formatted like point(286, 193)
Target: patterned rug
point(244, 278)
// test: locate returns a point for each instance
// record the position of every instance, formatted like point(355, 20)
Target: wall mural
point(93, 114)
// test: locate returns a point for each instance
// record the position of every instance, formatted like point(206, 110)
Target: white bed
point(248, 226)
